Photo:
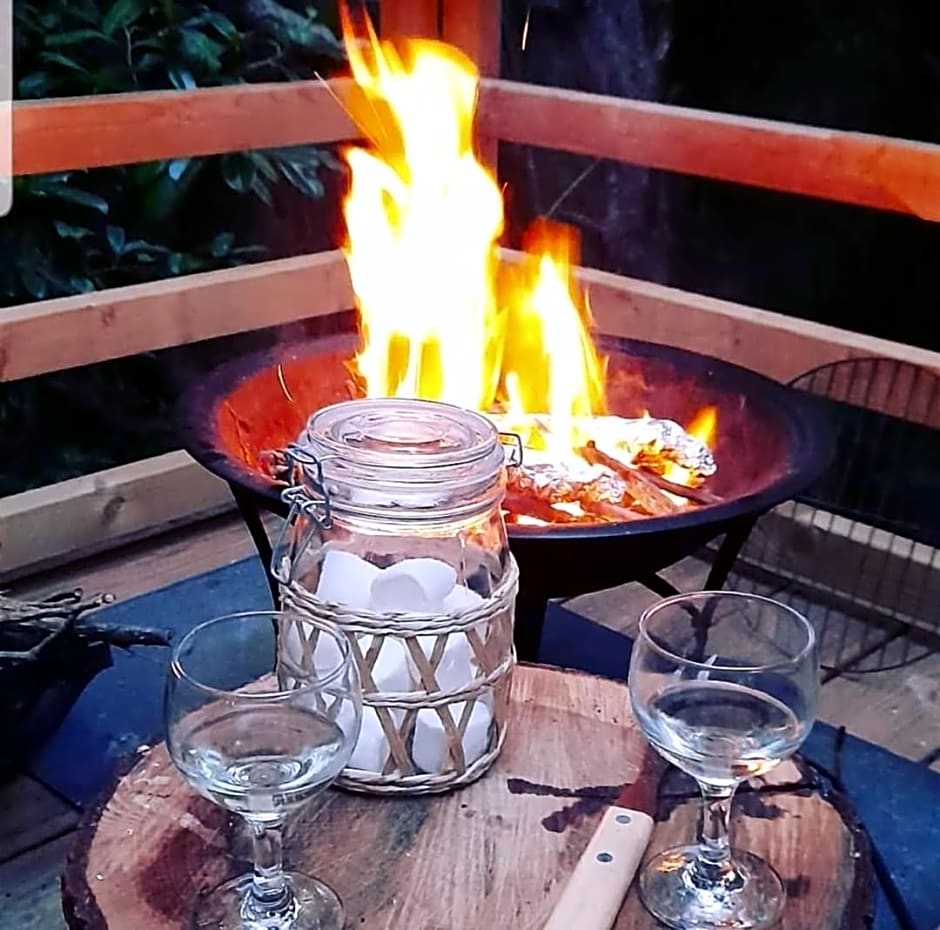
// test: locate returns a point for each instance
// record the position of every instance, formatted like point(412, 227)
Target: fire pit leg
point(259, 536)
point(728, 552)
point(725, 557)
point(530, 618)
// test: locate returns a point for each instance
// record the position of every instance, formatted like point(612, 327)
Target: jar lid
point(403, 458)
point(399, 433)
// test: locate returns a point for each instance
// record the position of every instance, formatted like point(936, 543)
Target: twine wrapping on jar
point(487, 628)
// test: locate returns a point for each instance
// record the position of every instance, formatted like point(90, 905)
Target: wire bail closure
point(298, 495)
point(306, 469)
point(512, 443)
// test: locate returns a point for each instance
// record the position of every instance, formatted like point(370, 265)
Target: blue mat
point(898, 801)
point(123, 707)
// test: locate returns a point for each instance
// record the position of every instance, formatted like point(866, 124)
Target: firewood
point(614, 512)
point(526, 506)
point(697, 495)
point(647, 496)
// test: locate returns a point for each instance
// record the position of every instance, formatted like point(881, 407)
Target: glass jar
point(396, 534)
point(390, 480)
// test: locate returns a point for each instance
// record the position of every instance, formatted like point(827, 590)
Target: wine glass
point(263, 711)
point(724, 685)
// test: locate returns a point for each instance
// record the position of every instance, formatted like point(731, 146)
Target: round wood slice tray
point(493, 855)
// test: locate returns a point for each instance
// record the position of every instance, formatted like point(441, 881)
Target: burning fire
point(437, 320)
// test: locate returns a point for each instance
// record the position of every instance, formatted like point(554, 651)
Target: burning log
point(646, 495)
point(696, 495)
point(526, 505)
point(609, 511)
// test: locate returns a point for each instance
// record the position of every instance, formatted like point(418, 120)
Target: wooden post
point(474, 27)
point(410, 18)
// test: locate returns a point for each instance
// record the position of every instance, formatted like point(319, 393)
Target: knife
point(595, 891)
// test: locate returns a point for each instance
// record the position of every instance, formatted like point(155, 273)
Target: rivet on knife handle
point(595, 891)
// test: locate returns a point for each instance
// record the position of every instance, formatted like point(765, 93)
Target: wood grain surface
point(496, 854)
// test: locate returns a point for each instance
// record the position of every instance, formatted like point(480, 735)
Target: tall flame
point(550, 364)
point(423, 219)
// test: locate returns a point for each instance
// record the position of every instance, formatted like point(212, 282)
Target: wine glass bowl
point(724, 686)
point(261, 727)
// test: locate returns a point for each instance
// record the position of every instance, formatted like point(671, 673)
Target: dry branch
point(28, 627)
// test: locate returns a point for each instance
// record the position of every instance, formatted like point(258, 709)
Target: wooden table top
point(495, 854)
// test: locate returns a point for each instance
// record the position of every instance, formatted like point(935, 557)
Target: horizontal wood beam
point(71, 331)
point(871, 171)
point(779, 346)
point(117, 129)
point(81, 516)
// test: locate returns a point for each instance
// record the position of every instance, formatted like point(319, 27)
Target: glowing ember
point(437, 322)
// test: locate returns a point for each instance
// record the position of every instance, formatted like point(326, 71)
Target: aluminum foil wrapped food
point(616, 436)
point(603, 478)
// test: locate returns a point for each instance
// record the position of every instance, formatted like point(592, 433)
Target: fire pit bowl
point(771, 444)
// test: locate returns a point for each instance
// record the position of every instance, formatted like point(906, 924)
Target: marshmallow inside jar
point(431, 746)
point(413, 585)
point(346, 579)
point(430, 586)
point(371, 752)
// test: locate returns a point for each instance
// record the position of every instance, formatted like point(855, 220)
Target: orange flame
point(423, 216)
point(550, 364)
point(704, 426)
point(423, 219)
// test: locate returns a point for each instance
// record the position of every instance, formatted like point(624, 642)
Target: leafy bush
point(78, 231)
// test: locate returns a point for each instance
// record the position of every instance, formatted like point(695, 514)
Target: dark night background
point(860, 65)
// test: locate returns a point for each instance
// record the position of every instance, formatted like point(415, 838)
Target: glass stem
point(713, 861)
point(270, 894)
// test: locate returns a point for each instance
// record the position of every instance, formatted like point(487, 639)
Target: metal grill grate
point(859, 553)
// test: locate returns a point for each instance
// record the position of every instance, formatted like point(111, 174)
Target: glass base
point(315, 906)
point(749, 895)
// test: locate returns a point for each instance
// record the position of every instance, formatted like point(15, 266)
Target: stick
point(35, 624)
point(646, 494)
point(696, 495)
point(609, 510)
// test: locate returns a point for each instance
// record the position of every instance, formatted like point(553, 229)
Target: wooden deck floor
point(898, 709)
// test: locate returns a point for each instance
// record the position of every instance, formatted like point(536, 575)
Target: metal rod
point(259, 536)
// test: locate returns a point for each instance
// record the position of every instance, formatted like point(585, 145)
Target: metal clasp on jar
point(307, 497)
point(514, 455)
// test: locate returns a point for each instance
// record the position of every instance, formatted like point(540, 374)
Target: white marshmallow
point(429, 750)
point(346, 579)
point(390, 672)
point(418, 585)
point(456, 668)
point(461, 598)
point(326, 657)
point(371, 751)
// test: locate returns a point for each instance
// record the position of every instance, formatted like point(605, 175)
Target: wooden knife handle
point(595, 891)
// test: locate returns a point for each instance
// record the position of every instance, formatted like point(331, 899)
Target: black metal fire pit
point(771, 444)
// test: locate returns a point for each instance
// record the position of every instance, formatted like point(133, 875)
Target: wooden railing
point(53, 135)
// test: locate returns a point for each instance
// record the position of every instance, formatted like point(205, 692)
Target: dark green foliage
point(76, 231)
point(79, 231)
